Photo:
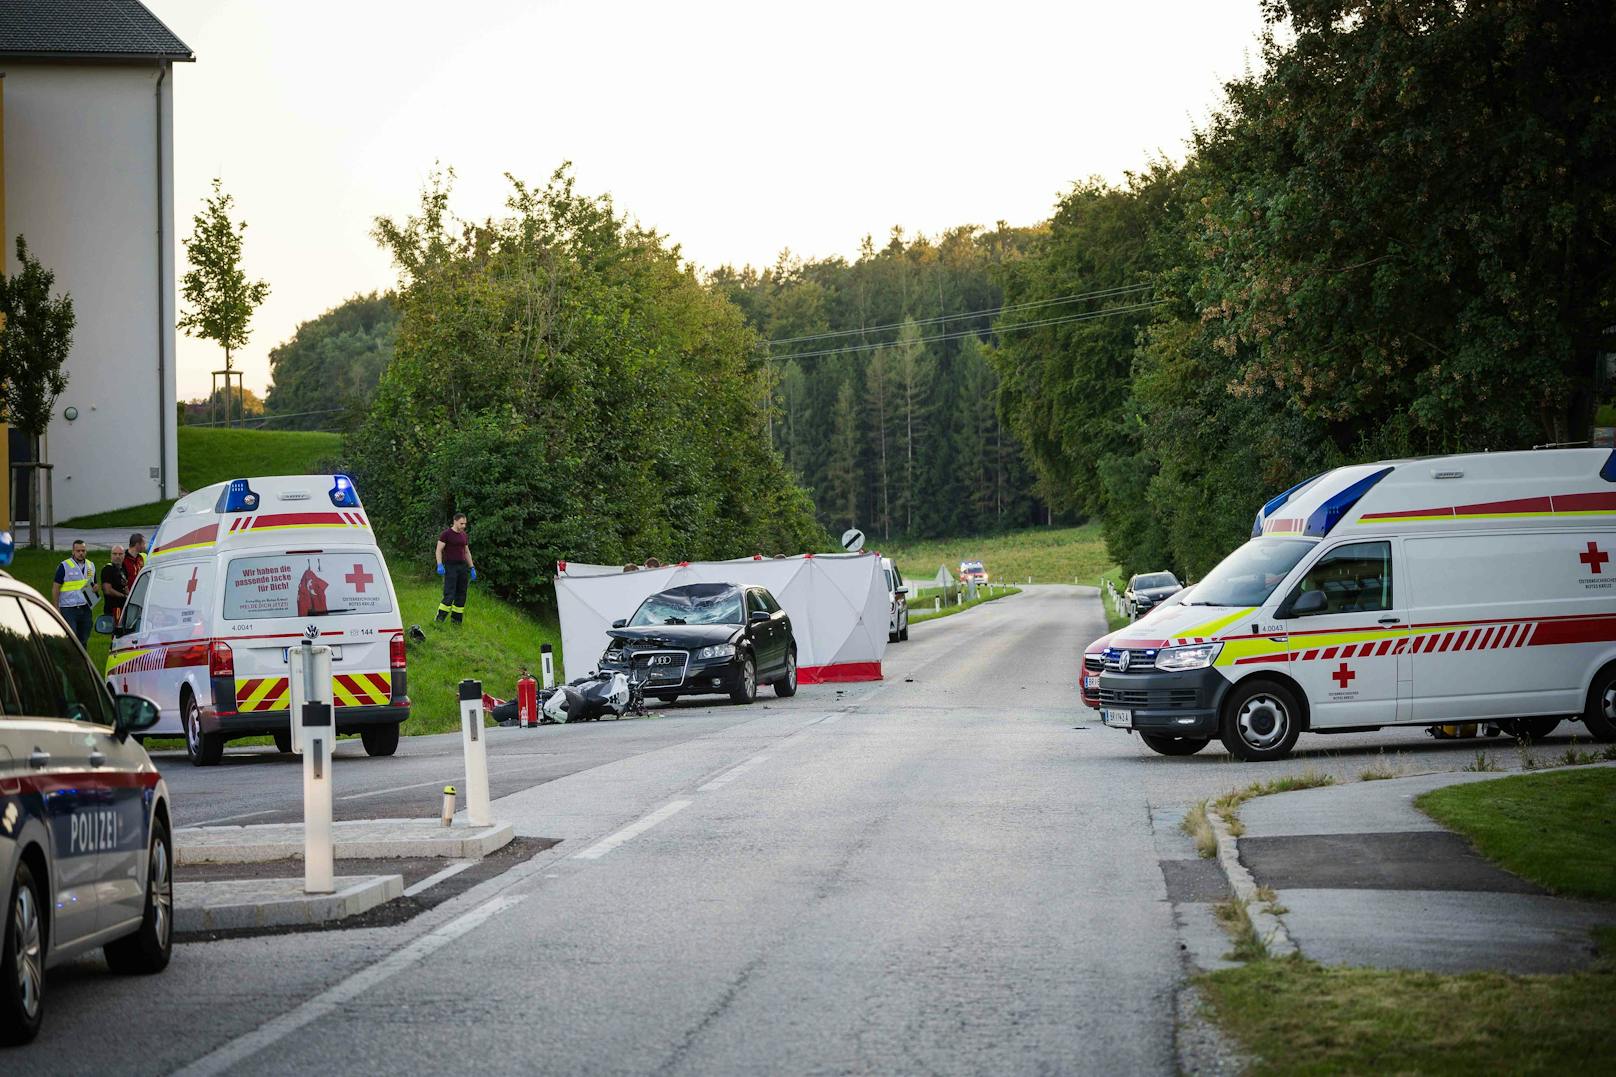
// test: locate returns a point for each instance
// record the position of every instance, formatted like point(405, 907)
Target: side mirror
point(105, 624)
point(135, 713)
point(759, 617)
point(1309, 603)
point(903, 590)
point(621, 622)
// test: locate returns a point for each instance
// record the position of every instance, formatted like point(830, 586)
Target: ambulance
point(1429, 592)
point(239, 573)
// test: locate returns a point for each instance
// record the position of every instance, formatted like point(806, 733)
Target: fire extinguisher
point(527, 701)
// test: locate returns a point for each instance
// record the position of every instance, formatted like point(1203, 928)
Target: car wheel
point(745, 690)
point(666, 699)
point(1600, 715)
point(1174, 745)
point(22, 961)
point(903, 628)
point(1529, 729)
point(1261, 721)
point(787, 685)
point(205, 749)
point(148, 949)
point(380, 740)
point(892, 637)
point(283, 741)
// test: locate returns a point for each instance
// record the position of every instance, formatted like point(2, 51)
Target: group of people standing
point(76, 587)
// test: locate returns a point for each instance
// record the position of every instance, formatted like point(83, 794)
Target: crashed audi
point(706, 639)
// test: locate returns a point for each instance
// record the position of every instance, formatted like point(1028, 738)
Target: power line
point(1100, 294)
point(1086, 316)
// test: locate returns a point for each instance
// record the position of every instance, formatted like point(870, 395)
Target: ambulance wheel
point(787, 685)
point(1600, 715)
point(283, 741)
point(745, 690)
point(148, 950)
point(22, 960)
point(205, 749)
point(1261, 721)
point(1174, 745)
point(1529, 728)
point(380, 740)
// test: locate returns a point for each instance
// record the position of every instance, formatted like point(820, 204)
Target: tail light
point(395, 650)
point(221, 661)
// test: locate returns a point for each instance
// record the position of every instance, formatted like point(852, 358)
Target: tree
point(36, 333)
point(221, 298)
point(332, 362)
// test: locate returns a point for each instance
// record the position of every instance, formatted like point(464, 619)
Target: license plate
point(1116, 719)
point(1091, 682)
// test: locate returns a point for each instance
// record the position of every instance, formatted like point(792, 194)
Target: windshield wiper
point(674, 621)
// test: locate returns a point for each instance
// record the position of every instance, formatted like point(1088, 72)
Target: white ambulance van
point(238, 573)
point(1425, 592)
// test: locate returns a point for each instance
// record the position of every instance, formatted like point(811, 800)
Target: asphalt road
point(951, 872)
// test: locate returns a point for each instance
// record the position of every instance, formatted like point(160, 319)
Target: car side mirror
point(903, 590)
point(135, 713)
point(105, 624)
point(621, 622)
point(759, 617)
point(1309, 603)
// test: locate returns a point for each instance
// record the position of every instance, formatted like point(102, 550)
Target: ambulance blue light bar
point(343, 494)
point(1276, 502)
point(1327, 515)
point(237, 497)
point(8, 548)
point(1608, 472)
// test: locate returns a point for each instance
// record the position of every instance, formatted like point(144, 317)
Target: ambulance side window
point(130, 618)
point(1355, 578)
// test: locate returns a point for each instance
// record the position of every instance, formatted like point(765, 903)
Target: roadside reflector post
point(478, 811)
point(547, 665)
point(314, 736)
point(448, 805)
point(937, 604)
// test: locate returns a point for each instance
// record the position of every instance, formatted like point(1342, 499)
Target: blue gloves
point(440, 570)
point(474, 573)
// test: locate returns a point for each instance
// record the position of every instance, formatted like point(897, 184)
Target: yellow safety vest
point(75, 577)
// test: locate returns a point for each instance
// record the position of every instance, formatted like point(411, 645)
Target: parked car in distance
point(1146, 591)
point(706, 639)
point(85, 848)
point(972, 572)
point(897, 602)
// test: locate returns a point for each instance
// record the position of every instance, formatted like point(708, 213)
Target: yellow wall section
point(5, 431)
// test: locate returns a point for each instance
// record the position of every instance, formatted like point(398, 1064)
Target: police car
point(85, 849)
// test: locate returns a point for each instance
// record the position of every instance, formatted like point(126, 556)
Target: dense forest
point(884, 403)
point(329, 369)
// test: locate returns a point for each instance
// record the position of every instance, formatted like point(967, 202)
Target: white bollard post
point(937, 604)
point(314, 735)
point(478, 811)
point(547, 665)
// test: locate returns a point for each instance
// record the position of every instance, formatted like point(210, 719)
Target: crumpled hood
point(676, 635)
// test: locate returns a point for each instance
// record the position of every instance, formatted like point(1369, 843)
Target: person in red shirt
point(456, 568)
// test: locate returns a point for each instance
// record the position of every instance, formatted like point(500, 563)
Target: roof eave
point(97, 57)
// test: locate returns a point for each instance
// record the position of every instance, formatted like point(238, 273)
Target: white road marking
point(632, 831)
point(228, 818)
point(437, 877)
point(731, 774)
point(333, 998)
point(440, 784)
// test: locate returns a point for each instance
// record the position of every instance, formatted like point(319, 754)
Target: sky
point(736, 130)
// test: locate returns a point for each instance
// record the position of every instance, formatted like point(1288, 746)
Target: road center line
point(632, 831)
point(437, 877)
point(731, 774)
point(334, 997)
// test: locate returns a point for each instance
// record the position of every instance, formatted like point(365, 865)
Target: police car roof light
point(237, 497)
point(343, 493)
point(8, 548)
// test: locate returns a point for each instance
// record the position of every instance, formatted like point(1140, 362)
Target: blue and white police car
point(86, 858)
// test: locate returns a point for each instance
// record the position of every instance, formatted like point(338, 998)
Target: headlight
point(717, 650)
point(614, 655)
point(1199, 656)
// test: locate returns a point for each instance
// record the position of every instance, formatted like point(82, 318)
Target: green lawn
point(1048, 555)
point(209, 455)
point(1559, 830)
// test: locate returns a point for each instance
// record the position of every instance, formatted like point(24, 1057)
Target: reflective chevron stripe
point(362, 689)
point(263, 694)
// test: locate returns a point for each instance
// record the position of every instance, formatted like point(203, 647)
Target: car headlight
point(614, 655)
point(1198, 656)
point(717, 650)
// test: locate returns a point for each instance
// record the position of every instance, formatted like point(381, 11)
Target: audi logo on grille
point(662, 659)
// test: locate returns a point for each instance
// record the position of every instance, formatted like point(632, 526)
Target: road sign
point(852, 540)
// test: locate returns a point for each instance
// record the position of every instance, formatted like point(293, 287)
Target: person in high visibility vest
point(75, 593)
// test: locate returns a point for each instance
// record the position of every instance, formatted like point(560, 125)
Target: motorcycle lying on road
point(590, 698)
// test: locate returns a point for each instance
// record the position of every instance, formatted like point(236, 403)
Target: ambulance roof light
point(237, 497)
point(1327, 515)
point(1276, 502)
point(1608, 472)
point(8, 548)
point(343, 493)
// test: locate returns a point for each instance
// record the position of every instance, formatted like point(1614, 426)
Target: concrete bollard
point(478, 811)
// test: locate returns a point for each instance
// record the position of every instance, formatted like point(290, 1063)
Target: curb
point(1270, 928)
point(260, 903)
point(373, 840)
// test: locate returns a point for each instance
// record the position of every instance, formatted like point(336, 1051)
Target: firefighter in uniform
point(456, 568)
point(74, 592)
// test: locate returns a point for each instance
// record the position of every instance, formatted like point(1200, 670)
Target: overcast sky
point(737, 130)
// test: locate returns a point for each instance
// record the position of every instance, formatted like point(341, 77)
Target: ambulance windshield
point(1249, 575)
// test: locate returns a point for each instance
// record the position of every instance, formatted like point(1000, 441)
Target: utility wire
point(1101, 294)
point(1086, 316)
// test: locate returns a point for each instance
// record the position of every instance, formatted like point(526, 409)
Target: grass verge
point(1559, 830)
point(1113, 619)
point(1048, 555)
point(949, 611)
point(1199, 827)
point(1235, 918)
point(1382, 769)
point(1298, 1017)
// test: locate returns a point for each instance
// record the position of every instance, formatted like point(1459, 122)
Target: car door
point(780, 621)
point(1348, 637)
point(125, 671)
point(51, 761)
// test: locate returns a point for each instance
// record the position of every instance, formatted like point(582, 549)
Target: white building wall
point(82, 186)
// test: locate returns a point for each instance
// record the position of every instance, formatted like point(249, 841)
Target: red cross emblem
point(359, 577)
point(1593, 557)
point(1343, 675)
point(190, 587)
